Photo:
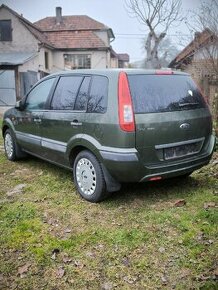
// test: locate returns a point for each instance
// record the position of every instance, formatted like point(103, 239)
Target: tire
point(13, 151)
point(88, 177)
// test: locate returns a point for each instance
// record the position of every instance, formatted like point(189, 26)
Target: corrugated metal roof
point(15, 58)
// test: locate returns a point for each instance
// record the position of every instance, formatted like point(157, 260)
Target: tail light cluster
point(126, 116)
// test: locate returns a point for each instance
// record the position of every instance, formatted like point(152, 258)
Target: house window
point(77, 61)
point(46, 60)
point(5, 30)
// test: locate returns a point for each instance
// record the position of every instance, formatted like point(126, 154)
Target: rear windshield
point(164, 93)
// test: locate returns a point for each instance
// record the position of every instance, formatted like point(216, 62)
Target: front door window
point(37, 97)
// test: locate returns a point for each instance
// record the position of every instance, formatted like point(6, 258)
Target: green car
point(113, 126)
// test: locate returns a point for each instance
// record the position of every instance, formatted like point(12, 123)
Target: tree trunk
point(151, 46)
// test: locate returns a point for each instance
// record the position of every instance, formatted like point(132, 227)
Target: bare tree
point(207, 16)
point(206, 19)
point(158, 16)
point(166, 52)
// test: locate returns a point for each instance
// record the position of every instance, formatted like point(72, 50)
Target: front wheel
point(12, 150)
point(88, 177)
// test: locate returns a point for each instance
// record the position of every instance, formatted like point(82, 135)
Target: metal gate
point(27, 80)
point(7, 88)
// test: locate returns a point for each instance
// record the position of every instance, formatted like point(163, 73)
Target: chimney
point(58, 15)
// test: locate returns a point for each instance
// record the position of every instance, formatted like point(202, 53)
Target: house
point(119, 60)
point(22, 52)
point(123, 60)
point(79, 41)
point(200, 59)
point(30, 51)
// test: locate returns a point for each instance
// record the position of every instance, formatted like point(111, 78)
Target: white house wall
point(99, 59)
point(32, 64)
point(58, 61)
point(103, 35)
point(22, 39)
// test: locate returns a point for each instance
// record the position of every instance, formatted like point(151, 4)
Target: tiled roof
point(74, 32)
point(75, 39)
point(74, 22)
point(201, 39)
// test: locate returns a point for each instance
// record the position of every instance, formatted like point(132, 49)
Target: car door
point(65, 119)
point(29, 120)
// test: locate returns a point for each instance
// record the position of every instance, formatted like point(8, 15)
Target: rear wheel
point(88, 177)
point(12, 149)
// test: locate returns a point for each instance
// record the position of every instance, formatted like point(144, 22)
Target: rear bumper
point(127, 167)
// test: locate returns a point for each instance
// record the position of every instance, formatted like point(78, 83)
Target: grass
point(52, 239)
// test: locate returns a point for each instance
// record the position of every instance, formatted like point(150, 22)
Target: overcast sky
point(128, 32)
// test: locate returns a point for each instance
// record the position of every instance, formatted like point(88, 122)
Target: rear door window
point(66, 92)
point(164, 93)
point(98, 95)
point(82, 97)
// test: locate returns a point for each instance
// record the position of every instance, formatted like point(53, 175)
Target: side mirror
point(19, 105)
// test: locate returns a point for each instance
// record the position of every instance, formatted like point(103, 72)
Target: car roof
point(116, 71)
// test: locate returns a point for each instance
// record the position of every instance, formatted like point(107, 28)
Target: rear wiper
point(188, 104)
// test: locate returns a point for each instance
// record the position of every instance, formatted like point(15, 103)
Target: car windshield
point(164, 93)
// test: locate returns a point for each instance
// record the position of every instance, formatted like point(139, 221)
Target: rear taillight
point(126, 116)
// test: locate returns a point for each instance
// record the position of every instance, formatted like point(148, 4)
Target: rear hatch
point(171, 117)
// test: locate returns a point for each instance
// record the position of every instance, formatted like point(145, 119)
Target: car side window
point(66, 92)
point(82, 97)
point(37, 97)
point(97, 102)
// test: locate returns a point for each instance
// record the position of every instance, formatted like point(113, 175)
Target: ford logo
point(184, 126)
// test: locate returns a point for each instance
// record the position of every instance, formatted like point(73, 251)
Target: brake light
point(126, 116)
point(163, 72)
point(155, 178)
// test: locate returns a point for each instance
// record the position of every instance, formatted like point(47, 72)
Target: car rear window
point(164, 93)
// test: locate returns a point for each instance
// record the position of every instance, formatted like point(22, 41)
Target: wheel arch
point(7, 124)
point(83, 142)
point(4, 129)
point(74, 152)
point(111, 184)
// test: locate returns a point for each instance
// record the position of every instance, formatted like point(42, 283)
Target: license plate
point(182, 150)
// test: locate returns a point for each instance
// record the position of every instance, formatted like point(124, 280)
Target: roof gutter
point(111, 35)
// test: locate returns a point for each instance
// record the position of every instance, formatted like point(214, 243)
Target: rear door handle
point(76, 123)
